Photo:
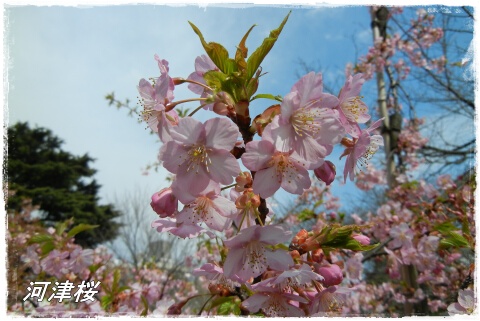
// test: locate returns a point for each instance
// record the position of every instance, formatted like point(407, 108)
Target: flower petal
point(188, 132)
point(224, 166)
point(257, 154)
point(266, 182)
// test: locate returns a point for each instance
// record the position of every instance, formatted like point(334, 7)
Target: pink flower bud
point(244, 180)
point(326, 172)
point(332, 274)
point(362, 239)
point(164, 203)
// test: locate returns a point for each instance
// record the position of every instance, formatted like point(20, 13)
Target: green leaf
point(257, 57)
point(61, 227)
point(306, 214)
point(228, 308)
point(145, 307)
point(445, 227)
point(80, 228)
point(123, 288)
point(106, 301)
point(354, 245)
point(242, 52)
point(453, 240)
point(219, 301)
point(40, 238)
point(268, 96)
point(217, 53)
point(215, 79)
point(47, 247)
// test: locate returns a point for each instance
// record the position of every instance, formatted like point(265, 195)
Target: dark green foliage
point(61, 183)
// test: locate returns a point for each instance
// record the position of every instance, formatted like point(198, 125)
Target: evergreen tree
point(60, 183)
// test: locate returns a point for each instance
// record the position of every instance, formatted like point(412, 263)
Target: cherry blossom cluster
point(206, 158)
point(420, 227)
point(403, 49)
point(41, 254)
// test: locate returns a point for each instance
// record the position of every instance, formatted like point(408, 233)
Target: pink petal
point(309, 149)
point(272, 234)
point(279, 260)
point(172, 155)
point(224, 166)
point(282, 136)
point(233, 261)
point(309, 87)
point(266, 182)
point(188, 132)
point(221, 133)
point(192, 181)
point(290, 103)
point(243, 237)
point(163, 129)
point(257, 154)
point(224, 206)
point(295, 180)
point(255, 302)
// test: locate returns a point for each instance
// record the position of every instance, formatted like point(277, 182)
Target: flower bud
point(164, 203)
point(262, 120)
point(332, 274)
point(244, 180)
point(223, 104)
point(176, 308)
point(326, 172)
point(362, 239)
point(318, 255)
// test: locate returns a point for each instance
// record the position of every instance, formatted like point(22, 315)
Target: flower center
point(353, 107)
point(202, 209)
point(198, 157)
point(275, 308)
point(304, 121)
point(256, 258)
point(284, 167)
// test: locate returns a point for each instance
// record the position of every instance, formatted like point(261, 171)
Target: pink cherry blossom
point(249, 253)
point(80, 259)
point(274, 303)
point(208, 206)
point(307, 123)
point(351, 109)
point(361, 149)
point(295, 277)
point(215, 273)
point(154, 98)
point(56, 263)
point(200, 152)
point(328, 301)
point(164, 202)
point(354, 267)
point(182, 230)
point(203, 64)
point(274, 169)
point(402, 236)
point(465, 304)
point(31, 258)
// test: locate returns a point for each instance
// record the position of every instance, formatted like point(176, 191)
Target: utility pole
point(390, 132)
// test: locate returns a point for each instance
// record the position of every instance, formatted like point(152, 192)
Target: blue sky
point(64, 60)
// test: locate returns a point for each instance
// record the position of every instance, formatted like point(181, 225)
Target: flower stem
point(228, 186)
point(196, 109)
point(169, 107)
point(182, 80)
